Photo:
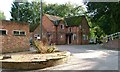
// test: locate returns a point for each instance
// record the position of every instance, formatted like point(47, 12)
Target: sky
point(5, 5)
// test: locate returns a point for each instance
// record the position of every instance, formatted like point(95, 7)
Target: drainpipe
point(81, 33)
point(41, 19)
point(56, 34)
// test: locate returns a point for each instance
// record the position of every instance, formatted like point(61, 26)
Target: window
point(37, 36)
point(16, 32)
point(22, 33)
point(61, 36)
point(62, 26)
point(85, 37)
point(69, 29)
point(80, 27)
point(19, 33)
point(74, 37)
point(3, 32)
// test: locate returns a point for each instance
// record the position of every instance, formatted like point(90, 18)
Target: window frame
point(6, 32)
point(23, 34)
point(70, 29)
point(61, 26)
point(61, 36)
point(85, 37)
point(74, 36)
point(19, 33)
point(36, 35)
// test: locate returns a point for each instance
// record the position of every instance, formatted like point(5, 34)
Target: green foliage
point(2, 16)
point(63, 10)
point(105, 16)
point(51, 49)
point(73, 21)
point(26, 12)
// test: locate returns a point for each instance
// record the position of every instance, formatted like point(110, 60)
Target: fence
point(111, 37)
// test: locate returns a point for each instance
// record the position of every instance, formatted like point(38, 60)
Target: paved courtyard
point(87, 57)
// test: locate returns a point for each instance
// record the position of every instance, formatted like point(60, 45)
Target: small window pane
point(16, 32)
point(62, 26)
point(3, 32)
point(22, 33)
point(85, 37)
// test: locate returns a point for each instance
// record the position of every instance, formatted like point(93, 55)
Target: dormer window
point(62, 26)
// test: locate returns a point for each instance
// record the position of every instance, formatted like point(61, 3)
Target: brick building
point(14, 36)
point(72, 30)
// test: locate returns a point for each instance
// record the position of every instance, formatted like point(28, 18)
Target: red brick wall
point(74, 30)
point(112, 44)
point(61, 33)
point(48, 26)
point(12, 43)
point(79, 32)
point(85, 30)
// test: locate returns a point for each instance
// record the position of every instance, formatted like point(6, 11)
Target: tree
point(64, 10)
point(2, 16)
point(26, 12)
point(105, 15)
point(30, 12)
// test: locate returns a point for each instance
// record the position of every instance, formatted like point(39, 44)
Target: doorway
point(68, 39)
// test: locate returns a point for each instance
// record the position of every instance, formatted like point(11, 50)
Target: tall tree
point(2, 16)
point(105, 15)
point(26, 12)
point(64, 10)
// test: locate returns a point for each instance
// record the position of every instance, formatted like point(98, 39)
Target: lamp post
point(41, 19)
point(19, 3)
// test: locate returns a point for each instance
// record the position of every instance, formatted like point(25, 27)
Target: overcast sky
point(5, 5)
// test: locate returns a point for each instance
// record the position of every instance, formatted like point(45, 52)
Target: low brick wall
point(33, 65)
point(112, 44)
point(34, 61)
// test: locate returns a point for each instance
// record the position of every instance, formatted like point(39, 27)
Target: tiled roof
point(54, 19)
point(19, 22)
